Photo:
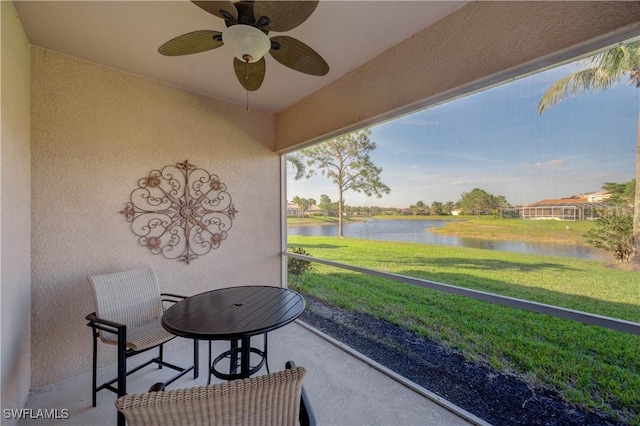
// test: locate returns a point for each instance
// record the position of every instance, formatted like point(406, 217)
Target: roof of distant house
point(311, 208)
point(586, 198)
point(559, 202)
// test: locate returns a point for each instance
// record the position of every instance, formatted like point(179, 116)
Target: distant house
point(294, 210)
point(576, 207)
point(598, 197)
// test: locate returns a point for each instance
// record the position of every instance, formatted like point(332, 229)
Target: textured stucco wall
point(15, 224)
point(481, 42)
point(95, 133)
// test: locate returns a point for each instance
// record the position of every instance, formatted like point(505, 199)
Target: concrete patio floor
point(343, 389)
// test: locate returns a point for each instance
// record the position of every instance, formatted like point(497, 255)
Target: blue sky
point(496, 141)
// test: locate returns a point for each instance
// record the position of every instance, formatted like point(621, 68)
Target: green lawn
point(486, 227)
point(596, 368)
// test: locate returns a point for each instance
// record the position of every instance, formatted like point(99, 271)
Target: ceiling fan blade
point(296, 55)
point(222, 9)
point(194, 42)
point(283, 15)
point(250, 75)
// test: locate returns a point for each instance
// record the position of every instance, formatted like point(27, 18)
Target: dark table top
point(233, 313)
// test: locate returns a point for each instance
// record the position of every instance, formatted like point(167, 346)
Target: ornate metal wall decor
point(181, 212)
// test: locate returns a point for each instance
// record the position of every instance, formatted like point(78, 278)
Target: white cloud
point(545, 165)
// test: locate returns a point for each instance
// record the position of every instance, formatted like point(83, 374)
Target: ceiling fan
point(248, 25)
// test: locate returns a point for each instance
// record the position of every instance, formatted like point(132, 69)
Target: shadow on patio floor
point(343, 390)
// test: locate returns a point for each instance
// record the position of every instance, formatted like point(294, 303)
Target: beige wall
point(480, 44)
point(95, 133)
point(15, 205)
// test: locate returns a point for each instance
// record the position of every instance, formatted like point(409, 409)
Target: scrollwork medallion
point(181, 212)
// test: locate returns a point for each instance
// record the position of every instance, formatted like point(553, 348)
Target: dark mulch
point(495, 397)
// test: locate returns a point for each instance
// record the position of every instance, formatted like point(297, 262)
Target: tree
point(303, 204)
point(602, 71)
point(417, 208)
point(614, 233)
point(622, 194)
point(345, 161)
point(376, 211)
point(478, 201)
point(437, 208)
point(449, 206)
point(501, 201)
point(325, 203)
point(298, 165)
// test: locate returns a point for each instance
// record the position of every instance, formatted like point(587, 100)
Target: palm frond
point(297, 164)
point(605, 70)
point(567, 87)
point(619, 59)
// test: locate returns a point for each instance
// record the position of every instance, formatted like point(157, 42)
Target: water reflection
point(417, 231)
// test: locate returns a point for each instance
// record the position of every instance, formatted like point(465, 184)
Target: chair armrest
point(104, 324)
point(172, 298)
point(307, 417)
point(157, 387)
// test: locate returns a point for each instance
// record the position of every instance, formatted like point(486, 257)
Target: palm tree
point(602, 71)
point(298, 165)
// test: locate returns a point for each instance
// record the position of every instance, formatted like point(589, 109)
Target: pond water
point(417, 231)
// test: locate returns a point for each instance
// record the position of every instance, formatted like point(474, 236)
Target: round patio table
point(235, 314)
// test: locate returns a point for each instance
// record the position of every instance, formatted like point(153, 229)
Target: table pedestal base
point(239, 359)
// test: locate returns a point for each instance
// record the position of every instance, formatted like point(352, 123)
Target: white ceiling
point(125, 35)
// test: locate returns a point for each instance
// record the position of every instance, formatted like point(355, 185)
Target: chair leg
point(122, 362)
point(266, 359)
point(95, 367)
point(210, 364)
point(196, 359)
point(160, 356)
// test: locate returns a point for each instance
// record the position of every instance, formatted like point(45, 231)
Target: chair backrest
point(272, 399)
point(130, 297)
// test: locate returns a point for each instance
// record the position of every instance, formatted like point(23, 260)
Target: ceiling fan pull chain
point(246, 77)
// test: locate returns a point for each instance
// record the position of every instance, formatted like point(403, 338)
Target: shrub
point(614, 233)
point(298, 267)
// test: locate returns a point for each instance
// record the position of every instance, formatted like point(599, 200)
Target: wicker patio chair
point(275, 399)
point(129, 308)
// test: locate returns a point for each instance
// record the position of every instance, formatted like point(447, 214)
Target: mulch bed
point(495, 397)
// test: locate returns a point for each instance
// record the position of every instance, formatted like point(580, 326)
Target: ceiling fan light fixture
point(249, 44)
